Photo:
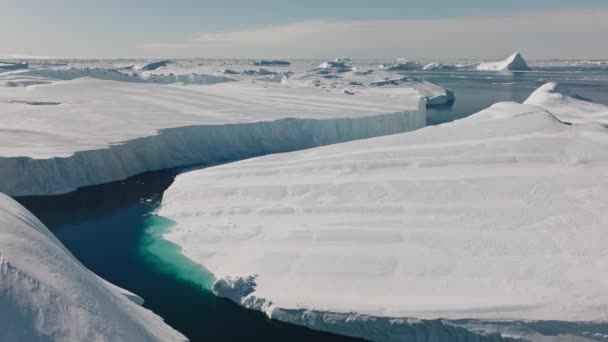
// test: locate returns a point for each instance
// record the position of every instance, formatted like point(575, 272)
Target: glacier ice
point(47, 295)
point(515, 62)
point(152, 65)
point(496, 217)
point(140, 127)
point(401, 65)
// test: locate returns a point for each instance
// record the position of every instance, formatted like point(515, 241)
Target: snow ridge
point(48, 295)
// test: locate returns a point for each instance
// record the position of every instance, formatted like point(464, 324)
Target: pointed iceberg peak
point(515, 62)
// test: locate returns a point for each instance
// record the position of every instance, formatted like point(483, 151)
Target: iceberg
point(514, 63)
point(151, 65)
point(263, 62)
point(116, 75)
point(47, 295)
point(401, 65)
point(340, 76)
point(60, 136)
point(497, 217)
point(439, 66)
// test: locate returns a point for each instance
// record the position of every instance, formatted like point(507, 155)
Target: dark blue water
point(476, 90)
point(104, 227)
point(111, 228)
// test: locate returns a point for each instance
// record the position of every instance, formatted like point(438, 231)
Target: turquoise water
point(166, 256)
point(112, 230)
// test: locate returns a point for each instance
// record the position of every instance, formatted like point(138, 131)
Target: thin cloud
point(563, 34)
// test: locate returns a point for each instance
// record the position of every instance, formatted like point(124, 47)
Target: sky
point(433, 29)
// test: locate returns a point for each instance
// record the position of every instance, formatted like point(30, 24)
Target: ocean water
point(112, 229)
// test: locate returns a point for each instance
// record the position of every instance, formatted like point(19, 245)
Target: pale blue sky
point(123, 28)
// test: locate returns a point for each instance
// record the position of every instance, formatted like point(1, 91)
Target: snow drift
point(47, 295)
point(500, 216)
point(514, 63)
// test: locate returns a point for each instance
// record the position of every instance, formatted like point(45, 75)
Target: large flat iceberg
point(500, 216)
point(47, 295)
point(60, 136)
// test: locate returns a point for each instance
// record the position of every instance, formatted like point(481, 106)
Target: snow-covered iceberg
point(439, 66)
point(500, 216)
point(57, 137)
point(151, 65)
point(514, 63)
point(401, 65)
point(569, 107)
point(341, 76)
point(47, 295)
point(117, 75)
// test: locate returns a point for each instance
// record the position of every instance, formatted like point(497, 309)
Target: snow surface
point(401, 65)
point(514, 63)
point(498, 216)
point(569, 107)
point(67, 134)
point(47, 295)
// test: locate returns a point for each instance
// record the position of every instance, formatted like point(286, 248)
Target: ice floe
point(500, 216)
point(60, 136)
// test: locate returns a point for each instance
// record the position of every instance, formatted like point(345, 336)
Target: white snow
point(67, 134)
point(569, 107)
point(401, 65)
point(47, 295)
point(498, 216)
point(514, 63)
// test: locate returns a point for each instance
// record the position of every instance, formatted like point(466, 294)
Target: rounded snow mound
point(567, 105)
point(48, 295)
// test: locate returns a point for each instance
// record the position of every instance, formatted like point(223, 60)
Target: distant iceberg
point(116, 75)
point(271, 63)
point(439, 66)
point(48, 295)
point(401, 65)
point(514, 63)
point(151, 65)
